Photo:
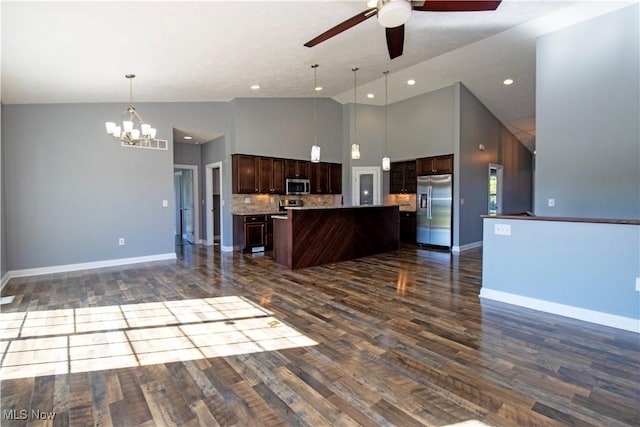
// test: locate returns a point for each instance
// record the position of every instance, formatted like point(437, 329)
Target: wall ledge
point(598, 317)
point(85, 266)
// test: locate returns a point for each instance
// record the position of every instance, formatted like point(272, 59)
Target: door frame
point(356, 171)
point(499, 184)
point(209, 167)
point(196, 199)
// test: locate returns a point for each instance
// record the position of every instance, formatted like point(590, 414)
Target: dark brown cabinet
point(296, 169)
point(403, 177)
point(319, 177)
point(435, 165)
point(325, 178)
point(244, 169)
point(335, 178)
point(258, 174)
point(252, 233)
point(407, 227)
point(270, 175)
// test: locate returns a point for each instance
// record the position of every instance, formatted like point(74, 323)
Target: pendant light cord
point(385, 110)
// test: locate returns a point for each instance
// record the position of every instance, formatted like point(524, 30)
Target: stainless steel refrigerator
point(433, 213)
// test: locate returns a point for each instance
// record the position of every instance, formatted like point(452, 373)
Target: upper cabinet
point(435, 165)
point(335, 178)
point(403, 177)
point(296, 169)
point(267, 175)
point(244, 169)
point(326, 178)
point(270, 175)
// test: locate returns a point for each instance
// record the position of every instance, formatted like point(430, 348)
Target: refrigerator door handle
point(429, 201)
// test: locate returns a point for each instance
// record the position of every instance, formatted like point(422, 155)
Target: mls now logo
point(23, 414)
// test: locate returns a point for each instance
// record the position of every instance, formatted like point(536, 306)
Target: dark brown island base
point(305, 237)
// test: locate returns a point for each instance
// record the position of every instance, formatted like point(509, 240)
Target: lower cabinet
point(407, 227)
point(252, 233)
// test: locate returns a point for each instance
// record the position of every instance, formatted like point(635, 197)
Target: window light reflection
point(66, 341)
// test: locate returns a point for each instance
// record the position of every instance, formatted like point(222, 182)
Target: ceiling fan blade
point(457, 5)
point(343, 26)
point(395, 41)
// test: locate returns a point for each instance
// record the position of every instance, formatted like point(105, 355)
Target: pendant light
point(355, 147)
point(386, 161)
point(315, 149)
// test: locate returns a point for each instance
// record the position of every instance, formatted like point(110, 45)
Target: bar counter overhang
point(307, 237)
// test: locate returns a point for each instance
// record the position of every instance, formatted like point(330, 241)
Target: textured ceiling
point(62, 52)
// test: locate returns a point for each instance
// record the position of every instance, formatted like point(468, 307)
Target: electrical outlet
point(502, 229)
point(121, 241)
point(638, 284)
point(247, 199)
point(165, 203)
point(551, 202)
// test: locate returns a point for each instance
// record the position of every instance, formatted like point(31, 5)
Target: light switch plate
point(165, 203)
point(552, 202)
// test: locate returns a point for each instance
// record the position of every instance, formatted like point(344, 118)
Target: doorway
point(366, 185)
point(214, 204)
point(495, 189)
point(185, 187)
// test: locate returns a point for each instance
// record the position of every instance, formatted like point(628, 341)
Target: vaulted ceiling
point(69, 52)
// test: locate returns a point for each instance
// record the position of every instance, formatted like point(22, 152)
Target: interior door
point(184, 201)
point(366, 186)
point(187, 205)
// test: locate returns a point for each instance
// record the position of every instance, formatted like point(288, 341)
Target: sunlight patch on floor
point(65, 341)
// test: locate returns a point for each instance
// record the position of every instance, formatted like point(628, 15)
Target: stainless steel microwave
point(298, 186)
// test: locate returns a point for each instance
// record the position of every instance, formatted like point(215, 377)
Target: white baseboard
point(5, 280)
point(467, 246)
point(87, 265)
point(598, 317)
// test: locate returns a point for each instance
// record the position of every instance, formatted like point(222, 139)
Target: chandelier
point(134, 131)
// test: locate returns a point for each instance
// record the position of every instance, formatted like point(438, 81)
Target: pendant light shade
point(386, 161)
point(355, 147)
point(315, 148)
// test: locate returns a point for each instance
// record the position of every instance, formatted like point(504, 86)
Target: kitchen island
point(305, 237)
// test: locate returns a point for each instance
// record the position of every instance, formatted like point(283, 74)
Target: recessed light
point(255, 87)
point(318, 88)
point(370, 96)
point(507, 82)
point(188, 137)
point(411, 82)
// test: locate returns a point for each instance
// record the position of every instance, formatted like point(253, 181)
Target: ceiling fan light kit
point(393, 13)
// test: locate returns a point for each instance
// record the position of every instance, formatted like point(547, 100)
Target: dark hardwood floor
point(402, 339)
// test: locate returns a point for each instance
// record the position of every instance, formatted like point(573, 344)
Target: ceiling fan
point(392, 14)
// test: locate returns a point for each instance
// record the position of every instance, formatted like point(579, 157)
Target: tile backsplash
point(407, 202)
point(268, 203)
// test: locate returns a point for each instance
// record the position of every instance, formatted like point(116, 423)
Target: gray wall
point(186, 154)
point(72, 191)
point(3, 228)
point(422, 126)
point(283, 127)
point(479, 126)
point(587, 109)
